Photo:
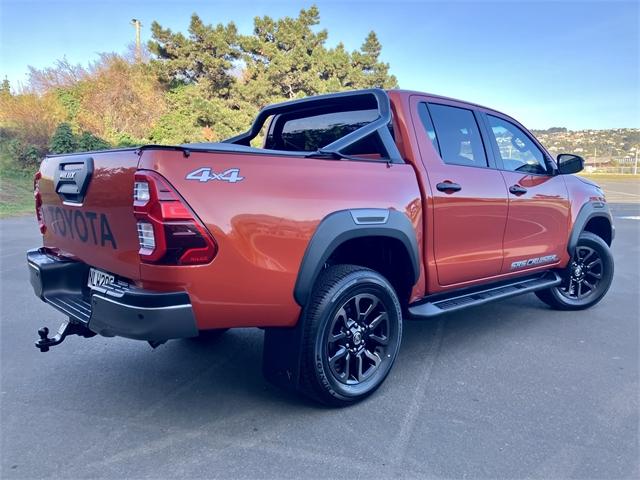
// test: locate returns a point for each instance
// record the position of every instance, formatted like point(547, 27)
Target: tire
point(586, 279)
point(351, 335)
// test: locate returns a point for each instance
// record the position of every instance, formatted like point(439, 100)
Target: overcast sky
point(572, 64)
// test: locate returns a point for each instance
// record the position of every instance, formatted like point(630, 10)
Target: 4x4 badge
point(205, 174)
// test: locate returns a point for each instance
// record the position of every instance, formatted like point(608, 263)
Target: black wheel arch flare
point(344, 225)
point(589, 211)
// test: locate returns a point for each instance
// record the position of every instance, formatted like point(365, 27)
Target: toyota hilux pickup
point(327, 224)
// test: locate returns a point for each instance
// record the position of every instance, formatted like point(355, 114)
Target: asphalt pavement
point(506, 390)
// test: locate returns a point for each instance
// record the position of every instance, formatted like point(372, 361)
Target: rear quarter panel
point(263, 223)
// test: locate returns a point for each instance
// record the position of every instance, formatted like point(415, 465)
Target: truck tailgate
point(87, 208)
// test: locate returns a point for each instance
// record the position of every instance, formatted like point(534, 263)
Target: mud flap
point(282, 355)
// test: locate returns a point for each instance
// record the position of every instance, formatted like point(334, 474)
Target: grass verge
point(16, 193)
point(624, 177)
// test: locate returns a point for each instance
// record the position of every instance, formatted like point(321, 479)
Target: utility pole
point(136, 23)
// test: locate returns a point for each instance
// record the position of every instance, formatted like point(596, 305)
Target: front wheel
point(351, 337)
point(586, 279)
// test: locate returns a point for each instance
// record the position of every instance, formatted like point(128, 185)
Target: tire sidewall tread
point(558, 301)
point(330, 288)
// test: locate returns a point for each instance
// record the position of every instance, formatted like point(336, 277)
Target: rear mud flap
point(282, 355)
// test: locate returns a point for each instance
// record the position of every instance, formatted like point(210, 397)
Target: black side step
point(439, 304)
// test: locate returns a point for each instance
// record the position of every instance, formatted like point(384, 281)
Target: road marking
point(400, 443)
point(632, 217)
point(622, 193)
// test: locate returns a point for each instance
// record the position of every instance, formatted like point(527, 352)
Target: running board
point(443, 303)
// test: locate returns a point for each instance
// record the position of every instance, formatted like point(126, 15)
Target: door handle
point(517, 189)
point(448, 187)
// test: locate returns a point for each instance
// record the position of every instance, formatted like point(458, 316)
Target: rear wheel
point(351, 337)
point(586, 279)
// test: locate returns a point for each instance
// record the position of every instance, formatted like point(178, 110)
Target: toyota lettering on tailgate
point(87, 227)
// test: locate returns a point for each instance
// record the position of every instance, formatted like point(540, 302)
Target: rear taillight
point(168, 231)
point(38, 199)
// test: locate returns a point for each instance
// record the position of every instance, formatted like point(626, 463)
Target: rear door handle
point(448, 187)
point(517, 189)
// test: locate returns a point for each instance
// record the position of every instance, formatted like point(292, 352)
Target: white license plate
point(98, 278)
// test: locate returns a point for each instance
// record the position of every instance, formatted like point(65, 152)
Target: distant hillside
point(616, 146)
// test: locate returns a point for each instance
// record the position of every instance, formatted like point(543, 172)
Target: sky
point(573, 64)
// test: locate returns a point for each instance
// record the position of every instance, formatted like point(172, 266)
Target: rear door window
point(457, 135)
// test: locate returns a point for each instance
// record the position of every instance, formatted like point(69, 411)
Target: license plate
point(98, 278)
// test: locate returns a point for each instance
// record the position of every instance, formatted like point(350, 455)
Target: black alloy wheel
point(586, 279)
point(583, 274)
point(358, 338)
point(351, 335)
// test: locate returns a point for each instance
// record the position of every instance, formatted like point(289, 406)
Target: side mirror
point(568, 164)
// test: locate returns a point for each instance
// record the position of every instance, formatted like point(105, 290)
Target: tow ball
point(66, 329)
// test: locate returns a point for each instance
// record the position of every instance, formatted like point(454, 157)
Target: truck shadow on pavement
point(187, 377)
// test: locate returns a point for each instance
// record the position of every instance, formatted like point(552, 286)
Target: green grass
point(611, 176)
point(16, 193)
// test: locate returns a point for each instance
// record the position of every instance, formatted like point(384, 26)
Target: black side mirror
point(568, 163)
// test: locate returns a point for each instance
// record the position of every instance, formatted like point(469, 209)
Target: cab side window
point(517, 150)
point(428, 124)
point(457, 135)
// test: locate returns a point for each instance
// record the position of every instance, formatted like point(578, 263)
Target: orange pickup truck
point(359, 209)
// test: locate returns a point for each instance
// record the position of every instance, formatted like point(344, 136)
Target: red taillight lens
point(168, 231)
point(38, 200)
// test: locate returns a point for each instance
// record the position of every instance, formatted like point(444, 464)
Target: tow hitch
point(66, 329)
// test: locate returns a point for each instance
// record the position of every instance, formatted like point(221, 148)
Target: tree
point(30, 118)
point(284, 58)
point(368, 70)
point(62, 75)
point(87, 142)
point(5, 88)
point(206, 56)
point(287, 58)
point(120, 101)
point(192, 117)
point(205, 84)
point(63, 140)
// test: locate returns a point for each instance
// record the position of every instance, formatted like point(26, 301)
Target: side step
point(451, 302)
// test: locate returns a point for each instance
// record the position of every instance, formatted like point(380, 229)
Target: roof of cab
point(443, 97)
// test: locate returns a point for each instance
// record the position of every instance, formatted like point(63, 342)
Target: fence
point(613, 169)
point(618, 165)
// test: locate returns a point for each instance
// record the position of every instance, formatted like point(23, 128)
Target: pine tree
point(369, 70)
point(205, 56)
point(287, 58)
point(5, 87)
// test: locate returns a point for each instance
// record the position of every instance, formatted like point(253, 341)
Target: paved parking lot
point(508, 390)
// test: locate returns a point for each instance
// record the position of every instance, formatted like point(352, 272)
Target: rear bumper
point(112, 311)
